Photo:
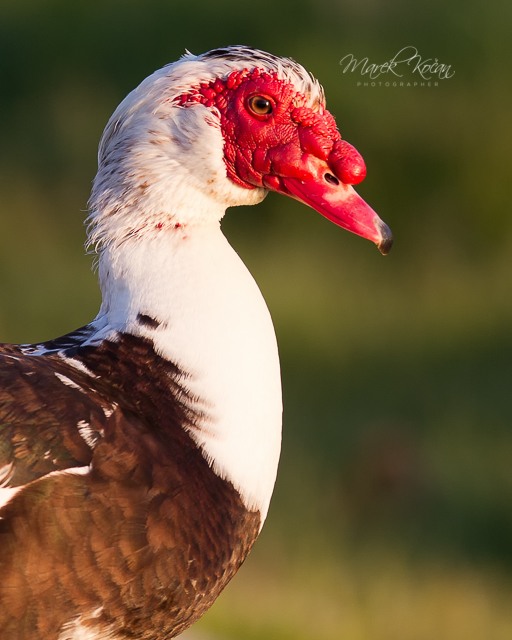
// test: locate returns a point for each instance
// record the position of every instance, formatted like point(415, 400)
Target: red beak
point(326, 187)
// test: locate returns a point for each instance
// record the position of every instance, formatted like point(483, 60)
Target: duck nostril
point(328, 177)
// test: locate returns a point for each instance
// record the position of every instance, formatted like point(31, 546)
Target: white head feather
point(154, 153)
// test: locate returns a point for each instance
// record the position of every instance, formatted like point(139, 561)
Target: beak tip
point(386, 241)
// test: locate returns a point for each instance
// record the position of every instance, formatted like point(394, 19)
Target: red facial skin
point(293, 149)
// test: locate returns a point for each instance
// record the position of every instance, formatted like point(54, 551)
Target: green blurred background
point(391, 517)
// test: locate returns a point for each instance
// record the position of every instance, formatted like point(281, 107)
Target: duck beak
point(326, 187)
point(340, 204)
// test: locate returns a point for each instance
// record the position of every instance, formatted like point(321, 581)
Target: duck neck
point(208, 317)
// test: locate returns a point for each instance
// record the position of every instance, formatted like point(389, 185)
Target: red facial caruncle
point(274, 138)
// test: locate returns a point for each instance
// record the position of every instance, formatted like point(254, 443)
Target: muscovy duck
point(138, 453)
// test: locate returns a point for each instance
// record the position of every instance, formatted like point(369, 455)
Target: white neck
point(215, 325)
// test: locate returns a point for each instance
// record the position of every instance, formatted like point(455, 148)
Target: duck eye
point(260, 105)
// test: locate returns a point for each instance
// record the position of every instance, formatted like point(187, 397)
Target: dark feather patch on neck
point(147, 321)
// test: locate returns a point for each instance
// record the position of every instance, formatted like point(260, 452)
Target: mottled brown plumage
point(147, 539)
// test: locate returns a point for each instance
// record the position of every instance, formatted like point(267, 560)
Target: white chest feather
point(216, 326)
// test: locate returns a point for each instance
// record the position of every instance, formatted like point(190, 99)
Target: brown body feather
point(143, 543)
